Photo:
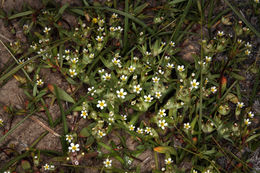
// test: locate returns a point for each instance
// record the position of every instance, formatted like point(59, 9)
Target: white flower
point(135, 58)
point(180, 68)
point(155, 79)
point(74, 60)
point(46, 167)
point(137, 89)
point(194, 84)
point(148, 130)
point(106, 76)
point(256, 1)
point(92, 55)
point(161, 72)
point(250, 115)
point(148, 98)
point(172, 44)
point(162, 113)
point(73, 147)
point(124, 117)
point(239, 41)
point(240, 105)
point(84, 114)
point(39, 82)
point(167, 58)
point(170, 66)
point(247, 52)
point(121, 93)
point(208, 171)
point(220, 33)
point(116, 61)
point(72, 72)
point(213, 89)
point(123, 78)
point(101, 71)
point(107, 163)
point(46, 30)
point(208, 59)
point(163, 124)
point(114, 15)
point(112, 29)
point(247, 122)
point(101, 29)
point(248, 45)
point(187, 126)
point(139, 130)
point(147, 53)
point(158, 94)
point(101, 133)
point(99, 38)
point(69, 138)
point(67, 51)
point(194, 171)
point(168, 161)
point(131, 127)
point(131, 69)
point(1, 121)
point(101, 104)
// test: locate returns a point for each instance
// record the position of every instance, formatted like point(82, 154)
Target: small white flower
point(101, 71)
point(194, 84)
point(180, 68)
point(170, 66)
point(99, 38)
point(220, 33)
point(162, 113)
point(72, 72)
point(101, 104)
point(155, 79)
point(162, 124)
point(139, 130)
point(108, 163)
point(67, 51)
point(250, 115)
point(158, 94)
point(239, 41)
point(172, 44)
point(256, 1)
point(148, 98)
point(148, 130)
point(46, 167)
point(121, 93)
point(74, 60)
point(39, 82)
point(101, 133)
point(123, 78)
point(247, 122)
point(147, 53)
point(1, 121)
point(92, 55)
point(119, 28)
point(168, 161)
point(213, 89)
point(137, 89)
point(73, 147)
point(167, 58)
point(161, 72)
point(208, 59)
point(131, 69)
point(69, 138)
point(84, 114)
point(194, 171)
point(106, 76)
point(187, 126)
point(240, 105)
point(114, 15)
point(248, 45)
point(116, 61)
point(101, 29)
point(46, 30)
point(124, 117)
point(135, 58)
point(131, 127)
point(247, 52)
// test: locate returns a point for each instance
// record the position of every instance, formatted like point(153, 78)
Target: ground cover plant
point(141, 87)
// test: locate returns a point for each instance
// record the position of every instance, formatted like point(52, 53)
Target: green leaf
point(62, 94)
point(140, 8)
point(84, 132)
point(61, 11)
point(237, 76)
point(252, 137)
point(165, 149)
point(26, 165)
point(26, 13)
point(105, 146)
